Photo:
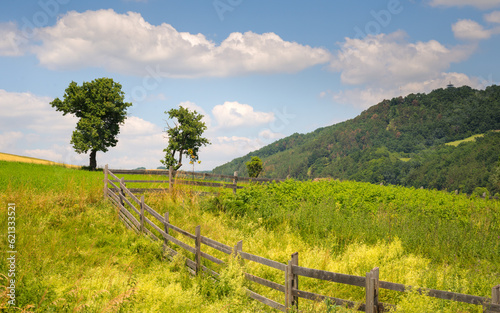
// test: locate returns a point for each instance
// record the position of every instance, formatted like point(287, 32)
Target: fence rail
point(117, 193)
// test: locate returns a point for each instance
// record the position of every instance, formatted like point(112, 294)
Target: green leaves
point(185, 138)
point(254, 166)
point(100, 106)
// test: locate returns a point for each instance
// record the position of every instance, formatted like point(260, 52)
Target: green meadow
point(75, 255)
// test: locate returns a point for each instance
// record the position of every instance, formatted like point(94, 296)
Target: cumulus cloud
point(366, 97)
point(471, 30)
point(13, 42)
point(493, 17)
point(480, 4)
point(234, 114)
point(194, 107)
point(126, 43)
point(389, 59)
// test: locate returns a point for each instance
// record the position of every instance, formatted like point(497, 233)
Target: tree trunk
point(93, 161)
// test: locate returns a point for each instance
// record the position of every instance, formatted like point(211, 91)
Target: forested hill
point(398, 141)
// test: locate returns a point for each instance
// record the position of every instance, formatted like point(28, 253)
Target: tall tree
point(185, 138)
point(100, 106)
point(254, 166)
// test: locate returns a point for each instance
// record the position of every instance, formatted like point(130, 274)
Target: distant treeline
point(398, 141)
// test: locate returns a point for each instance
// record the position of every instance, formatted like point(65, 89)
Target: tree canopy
point(101, 110)
point(254, 166)
point(185, 138)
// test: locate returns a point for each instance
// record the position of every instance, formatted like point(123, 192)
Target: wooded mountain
point(398, 141)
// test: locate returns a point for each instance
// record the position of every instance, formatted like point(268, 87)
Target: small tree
point(254, 166)
point(185, 138)
point(101, 109)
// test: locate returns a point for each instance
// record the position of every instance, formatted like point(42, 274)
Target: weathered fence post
point(295, 280)
point(372, 284)
point(142, 214)
point(170, 182)
point(122, 193)
point(237, 248)
point(165, 225)
point(291, 282)
point(105, 181)
point(197, 257)
point(235, 181)
point(288, 286)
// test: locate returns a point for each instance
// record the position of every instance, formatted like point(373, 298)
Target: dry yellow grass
point(24, 159)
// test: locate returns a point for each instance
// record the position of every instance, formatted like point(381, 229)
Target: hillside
point(397, 142)
point(24, 159)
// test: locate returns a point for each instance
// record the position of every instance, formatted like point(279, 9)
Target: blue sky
point(257, 70)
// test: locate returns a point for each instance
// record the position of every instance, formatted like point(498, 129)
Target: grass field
point(24, 159)
point(75, 255)
point(471, 138)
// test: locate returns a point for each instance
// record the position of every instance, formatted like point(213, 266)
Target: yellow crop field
point(24, 159)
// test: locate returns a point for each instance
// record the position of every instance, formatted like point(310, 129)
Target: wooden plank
point(142, 214)
point(113, 185)
point(146, 181)
point(197, 245)
point(265, 282)
point(153, 213)
point(127, 222)
point(216, 245)
point(105, 190)
point(143, 190)
point(131, 194)
point(165, 225)
point(263, 261)
point(288, 285)
point(211, 258)
point(130, 216)
point(180, 243)
point(371, 296)
point(491, 308)
point(153, 236)
point(322, 298)
point(158, 229)
point(110, 173)
point(181, 231)
point(295, 279)
point(266, 301)
point(447, 295)
point(330, 276)
point(124, 199)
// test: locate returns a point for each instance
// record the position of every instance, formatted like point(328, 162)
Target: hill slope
point(376, 145)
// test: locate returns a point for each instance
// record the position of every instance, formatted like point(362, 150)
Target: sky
point(257, 70)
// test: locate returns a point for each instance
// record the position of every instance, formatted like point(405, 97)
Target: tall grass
point(76, 255)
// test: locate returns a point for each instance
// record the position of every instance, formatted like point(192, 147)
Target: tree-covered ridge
point(398, 141)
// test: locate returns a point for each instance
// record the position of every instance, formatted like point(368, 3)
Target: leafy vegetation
point(185, 138)
point(76, 255)
point(101, 110)
point(254, 167)
point(394, 141)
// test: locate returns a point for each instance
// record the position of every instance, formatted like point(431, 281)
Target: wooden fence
point(116, 190)
point(182, 178)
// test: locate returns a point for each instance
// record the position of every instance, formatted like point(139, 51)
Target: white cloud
point(234, 114)
point(33, 112)
point(194, 107)
point(470, 30)
point(126, 43)
point(45, 154)
point(480, 4)
point(9, 139)
point(493, 17)
point(365, 98)
point(389, 59)
point(12, 42)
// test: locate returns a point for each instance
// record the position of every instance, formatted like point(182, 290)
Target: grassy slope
point(75, 254)
point(24, 159)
